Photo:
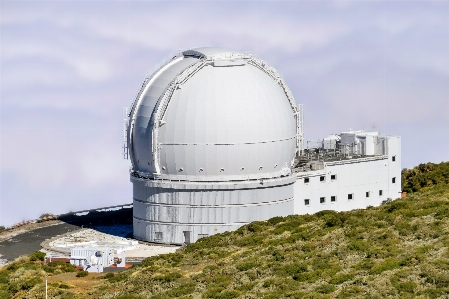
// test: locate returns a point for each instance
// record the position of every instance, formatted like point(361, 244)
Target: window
point(393, 158)
point(322, 178)
point(333, 198)
point(393, 180)
point(307, 202)
point(306, 180)
point(351, 196)
point(333, 176)
point(381, 192)
point(322, 199)
point(367, 194)
point(158, 235)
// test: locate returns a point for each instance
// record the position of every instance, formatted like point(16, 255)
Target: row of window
point(334, 177)
point(322, 178)
point(334, 198)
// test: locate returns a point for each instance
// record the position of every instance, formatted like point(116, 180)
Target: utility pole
point(46, 286)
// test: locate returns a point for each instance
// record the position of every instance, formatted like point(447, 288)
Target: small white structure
point(95, 259)
point(215, 140)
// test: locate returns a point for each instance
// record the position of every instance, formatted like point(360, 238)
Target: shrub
point(388, 264)
point(52, 267)
point(257, 226)
point(275, 220)
point(184, 289)
point(64, 286)
point(30, 283)
point(82, 273)
point(219, 293)
point(358, 245)
point(325, 289)
point(407, 287)
point(350, 292)
point(37, 256)
point(340, 278)
point(127, 296)
point(116, 277)
point(168, 277)
point(244, 266)
point(221, 281)
point(292, 269)
point(4, 276)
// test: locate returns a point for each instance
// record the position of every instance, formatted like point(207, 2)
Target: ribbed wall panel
point(171, 211)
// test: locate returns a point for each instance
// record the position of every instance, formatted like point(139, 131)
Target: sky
point(67, 69)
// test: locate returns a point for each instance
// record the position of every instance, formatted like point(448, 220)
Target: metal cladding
point(226, 128)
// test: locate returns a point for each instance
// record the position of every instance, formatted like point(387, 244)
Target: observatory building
point(215, 140)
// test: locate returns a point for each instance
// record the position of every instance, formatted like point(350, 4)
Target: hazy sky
point(68, 67)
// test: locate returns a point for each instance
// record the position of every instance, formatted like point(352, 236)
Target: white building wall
point(393, 146)
point(356, 177)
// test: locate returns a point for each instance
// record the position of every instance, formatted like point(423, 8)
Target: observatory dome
point(212, 114)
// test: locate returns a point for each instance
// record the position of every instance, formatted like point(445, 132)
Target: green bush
point(64, 286)
point(407, 287)
point(128, 296)
point(172, 276)
point(244, 266)
point(58, 265)
point(37, 256)
point(82, 273)
point(220, 293)
point(30, 283)
point(4, 276)
point(358, 245)
point(4, 292)
point(295, 268)
point(183, 289)
point(388, 264)
point(340, 278)
point(275, 220)
point(116, 277)
point(325, 289)
point(425, 175)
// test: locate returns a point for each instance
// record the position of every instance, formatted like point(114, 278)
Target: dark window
point(322, 199)
point(306, 202)
point(393, 158)
point(367, 194)
point(393, 180)
point(322, 178)
point(306, 180)
point(351, 196)
point(333, 176)
point(380, 192)
point(158, 235)
point(333, 198)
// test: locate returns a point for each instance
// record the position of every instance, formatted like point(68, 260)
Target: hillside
point(397, 250)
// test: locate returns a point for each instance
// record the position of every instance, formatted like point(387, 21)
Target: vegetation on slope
point(397, 250)
point(425, 175)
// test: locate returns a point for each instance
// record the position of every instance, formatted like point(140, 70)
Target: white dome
point(211, 115)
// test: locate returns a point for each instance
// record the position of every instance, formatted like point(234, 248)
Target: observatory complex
point(215, 140)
